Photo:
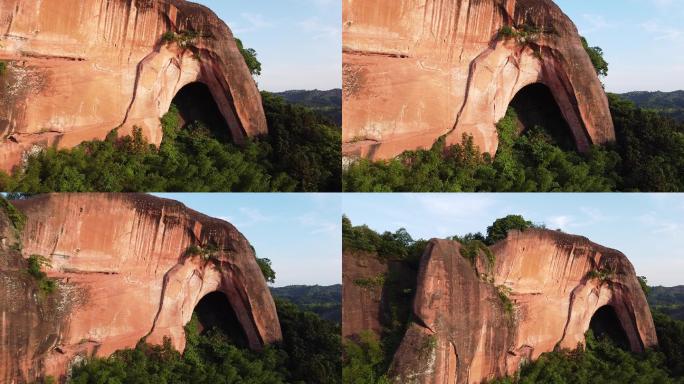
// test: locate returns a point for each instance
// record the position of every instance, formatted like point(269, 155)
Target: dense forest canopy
point(325, 301)
point(670, 104)
point(328, 103)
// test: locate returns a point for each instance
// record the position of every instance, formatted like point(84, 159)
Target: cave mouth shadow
point(195, 103)
point(214, 311)
point(605, 323)
point(536, 107)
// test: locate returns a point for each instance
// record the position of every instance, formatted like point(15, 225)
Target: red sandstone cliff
point(415, 70)
point(461, 331)
point(362, 303)
point(80, 68)
point(123, 274)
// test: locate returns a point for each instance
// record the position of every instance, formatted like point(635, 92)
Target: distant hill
point(669, 300)
point(328, 103)
point(669, 103)
point(326, 301)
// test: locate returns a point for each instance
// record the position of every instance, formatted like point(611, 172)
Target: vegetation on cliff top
point(250, 56)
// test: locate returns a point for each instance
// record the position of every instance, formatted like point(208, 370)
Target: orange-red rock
point(362, 304)
point(80, 68)
point(462, 333)
point(123, 273)
point(415, 70)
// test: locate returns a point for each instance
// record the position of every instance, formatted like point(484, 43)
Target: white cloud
point(248, 217)
point(250, 22)
point(319, 30)
point(594, 23)
point(661, 31)
point(318, 225)
point(457, 206)
point(561, 222)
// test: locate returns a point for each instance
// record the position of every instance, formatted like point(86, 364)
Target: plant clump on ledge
point(524, 33)
point(183, 38)
point(35, 265)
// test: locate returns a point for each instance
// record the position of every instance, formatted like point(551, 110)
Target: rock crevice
point(476, 320)
point(457, 73)
point(159, 259)
point(80, 68)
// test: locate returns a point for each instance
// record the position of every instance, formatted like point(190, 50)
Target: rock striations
point(127, 267)
point(79, 68)
point(416, 70)
point(545, 289)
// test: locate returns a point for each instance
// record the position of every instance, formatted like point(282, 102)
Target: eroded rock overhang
point(417, 70)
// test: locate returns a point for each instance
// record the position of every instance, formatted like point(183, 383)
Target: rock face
point(558, 285)
point(124, 272)
point(415, 70)
point(361, 303)
point(376, 292)
point(80, 68)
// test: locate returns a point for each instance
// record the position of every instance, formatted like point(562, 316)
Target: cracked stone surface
point(80, 68)
point(123, 271)
point(416, 70)
point(460, 330)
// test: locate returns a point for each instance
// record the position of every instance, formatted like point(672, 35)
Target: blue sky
point(643, 40)
point(301, 233)
point(298, 42)
point(648, 228)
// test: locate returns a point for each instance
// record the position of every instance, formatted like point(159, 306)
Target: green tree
point(363, 359)
point(597, 59)
point(250, 56)
point(301, 153)
point(644, 284)
point(266, 270)
point(500, 228)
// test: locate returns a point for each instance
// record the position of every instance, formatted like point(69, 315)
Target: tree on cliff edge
point(250, 56)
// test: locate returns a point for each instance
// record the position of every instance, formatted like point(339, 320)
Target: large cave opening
point(605, 323)
point(197, 109)
point(537, 109)
point(214, 311)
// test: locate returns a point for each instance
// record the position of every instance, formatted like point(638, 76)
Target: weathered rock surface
point(375, 293)
point(123, 273)
point(557, 283)
point(415, 70)
point(80, 68)
point(361, 304)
